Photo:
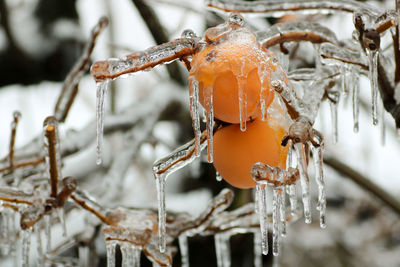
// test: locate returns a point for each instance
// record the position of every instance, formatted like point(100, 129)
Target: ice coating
point(294, 31)
point(233, 66)
point(61, 217)
point(102, 88)
point(165, 166)
point(275, 221)
point(47, 229)
point(194, 112)
point(210, 124)
point(273, 8)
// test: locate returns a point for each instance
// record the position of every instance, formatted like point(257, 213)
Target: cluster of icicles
point(330, 57)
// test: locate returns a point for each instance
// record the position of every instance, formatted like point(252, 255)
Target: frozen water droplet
point(262, 212)
point(218, 176)
point(373, 77)
point(235, 18)
point(188, 33)
point(304, 181)
point(110, 246)
point(17, 115)
point(101, 93)
point(194, 112)
point(26, 245)
point(184, 249)
point(319, 177)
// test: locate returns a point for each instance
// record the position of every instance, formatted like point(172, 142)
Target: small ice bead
point(235, 18)
point(188, 33)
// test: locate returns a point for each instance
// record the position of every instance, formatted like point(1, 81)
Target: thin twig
point(16, 200)
point(23, 164)
point(70, 87)
point(83, 204)
point(14, 125)
point(365, 182)
point(50, 134)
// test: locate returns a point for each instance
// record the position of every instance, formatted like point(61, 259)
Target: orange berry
point(235, 151)
point(224, 67)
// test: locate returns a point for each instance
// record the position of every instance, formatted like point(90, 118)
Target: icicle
point(223, 250)
point(275, 221)
point(262, 212)
point(5, 233)
point(84, 256)
point(289, 160)
point(61, 217)
point(100, 110)
point(257, 249)
point(373, 77)
point(255, 198)
point(334, 119)
point(319, 177)
point(184, 249)
point(130, 255)
point(355, 98)
point(218, 176)
point(264, 91)
point(292, 198)
point(282, 211)
point(160, 180)
point(110, 246)
point(242, 103)
point(382, 124)
point(210, 124)
point(345, 85)
point(194, 112)
point(39, 243)
point(304, 181)
point(47, 227)
point(26, 245)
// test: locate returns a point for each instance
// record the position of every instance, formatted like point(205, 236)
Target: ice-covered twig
point(70, 86)
point(159, 34)
point(276, 8)
point(295, 32)
point(92, 210)
point(138, 61)
point(14, 124)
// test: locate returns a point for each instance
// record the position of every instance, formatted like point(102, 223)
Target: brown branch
point(361, 65)
point(16, 200)
point(14, 125)
point(385, 26)
point(160, 36)
point(364, 182)
point(50, 134)
point(295, 37)
point(83, 204)
point(23, 164)
point(70, 86)
point(140, 61)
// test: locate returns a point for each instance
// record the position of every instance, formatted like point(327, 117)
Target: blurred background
point(40, 40)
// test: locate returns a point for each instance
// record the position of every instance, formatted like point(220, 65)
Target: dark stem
point(157, 31)
point(364, 182)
